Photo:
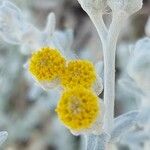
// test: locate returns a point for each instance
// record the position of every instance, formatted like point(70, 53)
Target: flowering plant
point(50, 64)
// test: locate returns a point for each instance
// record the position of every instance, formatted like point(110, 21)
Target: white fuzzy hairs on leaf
point(3, 136)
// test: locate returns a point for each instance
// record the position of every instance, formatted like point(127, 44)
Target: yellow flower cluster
point(79, 106)
point(79, 73)
point(46, 64)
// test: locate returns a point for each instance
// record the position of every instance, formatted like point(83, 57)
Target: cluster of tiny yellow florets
point(46, 64)
point(78, 108)
point(79, 73)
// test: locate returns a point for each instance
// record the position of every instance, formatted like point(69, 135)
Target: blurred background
point(26, 110)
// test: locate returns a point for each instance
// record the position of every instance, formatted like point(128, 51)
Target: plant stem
point(109, 42)
point(98, 22)
point(90, 140)
point(109, 52)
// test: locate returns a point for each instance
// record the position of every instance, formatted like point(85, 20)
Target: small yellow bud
point(47, 64)
point(79, 73)
point(78, 108)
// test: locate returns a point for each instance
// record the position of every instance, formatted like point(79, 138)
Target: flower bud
point(46, 66)
point(81, 111)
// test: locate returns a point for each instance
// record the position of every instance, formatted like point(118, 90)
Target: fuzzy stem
point(109, 53)
point(90, 142)
point(98, 22)
point(109, 42)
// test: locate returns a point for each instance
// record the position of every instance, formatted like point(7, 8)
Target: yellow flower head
point(79, 72)
point(46, 64)
point(78, 108)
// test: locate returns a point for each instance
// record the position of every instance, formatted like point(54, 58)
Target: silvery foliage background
point(27, 111)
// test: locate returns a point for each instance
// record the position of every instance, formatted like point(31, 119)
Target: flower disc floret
point(78, 108)
point(46, 64)
point(79, 73)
